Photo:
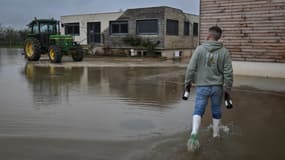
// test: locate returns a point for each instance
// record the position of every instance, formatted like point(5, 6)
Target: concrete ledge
point(261, 69)
point(256, 69)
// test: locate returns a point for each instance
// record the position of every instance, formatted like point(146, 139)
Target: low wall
point(184, 53)
point(261, 69)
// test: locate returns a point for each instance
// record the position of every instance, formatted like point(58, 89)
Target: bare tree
point(10, 37)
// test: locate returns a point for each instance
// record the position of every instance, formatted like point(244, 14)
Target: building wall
point(181, 41)
point(104, 18)
point(254, 30)
point(193, 19)
point(131, 15)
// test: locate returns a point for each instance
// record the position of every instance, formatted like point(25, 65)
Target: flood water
point(128, 113)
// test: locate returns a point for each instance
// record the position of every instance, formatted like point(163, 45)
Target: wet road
point(127, 113)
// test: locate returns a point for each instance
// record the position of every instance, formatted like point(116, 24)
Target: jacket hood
point(212, 46)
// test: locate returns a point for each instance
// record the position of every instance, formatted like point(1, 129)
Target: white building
point(87, 27)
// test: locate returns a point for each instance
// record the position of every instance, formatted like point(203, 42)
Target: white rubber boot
point(193, 142)
point(216, 127)
point(196, 124)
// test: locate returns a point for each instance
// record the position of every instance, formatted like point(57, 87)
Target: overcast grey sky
point(17, 13)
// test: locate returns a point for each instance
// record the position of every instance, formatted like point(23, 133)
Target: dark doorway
point(93, 32)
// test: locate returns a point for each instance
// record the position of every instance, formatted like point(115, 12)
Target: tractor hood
point(64, 41)
point(61, 37)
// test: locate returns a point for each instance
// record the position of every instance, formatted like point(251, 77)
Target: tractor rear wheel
point(54, 54)
point(77, 53)
point(32, 49)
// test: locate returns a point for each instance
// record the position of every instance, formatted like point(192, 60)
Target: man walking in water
point(210, 68)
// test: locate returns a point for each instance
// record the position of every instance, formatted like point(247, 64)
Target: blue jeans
point(203, 93)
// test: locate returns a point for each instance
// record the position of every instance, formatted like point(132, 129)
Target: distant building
point(175, 32)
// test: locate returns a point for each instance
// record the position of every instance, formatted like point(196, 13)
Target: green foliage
point(133, 41)
point(138, 42)
point(150, 46)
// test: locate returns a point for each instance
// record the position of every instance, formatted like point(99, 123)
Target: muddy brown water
point(128, 113)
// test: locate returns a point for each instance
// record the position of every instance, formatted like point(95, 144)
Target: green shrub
point(138, 42)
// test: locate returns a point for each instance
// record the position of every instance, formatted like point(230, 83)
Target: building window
point(72, 29)
point(48, 28)
point(119, 27)
point(35, 29)
point(147, 27)
point(195, 29)
point(172, 27)
point(186, 28)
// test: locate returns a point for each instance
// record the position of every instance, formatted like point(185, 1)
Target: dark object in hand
point(228, 101)
point(186, 93)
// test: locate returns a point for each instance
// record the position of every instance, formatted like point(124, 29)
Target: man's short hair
point(216, 32)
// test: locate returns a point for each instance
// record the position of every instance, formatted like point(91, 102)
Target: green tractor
point(45, 37)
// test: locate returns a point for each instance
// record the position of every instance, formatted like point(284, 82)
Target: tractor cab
point(44, 26)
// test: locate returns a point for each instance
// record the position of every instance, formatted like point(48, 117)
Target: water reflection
point(104, 102)
point(142, 86)
point(133, 85)
point(10, 57)
point(51, 85)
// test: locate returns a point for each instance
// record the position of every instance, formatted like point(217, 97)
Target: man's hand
point(227, 91)
point(188, 87)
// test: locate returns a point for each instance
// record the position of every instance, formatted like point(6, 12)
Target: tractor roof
point(51, 21)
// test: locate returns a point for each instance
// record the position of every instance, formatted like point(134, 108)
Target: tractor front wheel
point(54, 54)
point(32, 49)
point(77, 53)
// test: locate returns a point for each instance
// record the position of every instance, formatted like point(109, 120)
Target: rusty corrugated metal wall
point(254, 30)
